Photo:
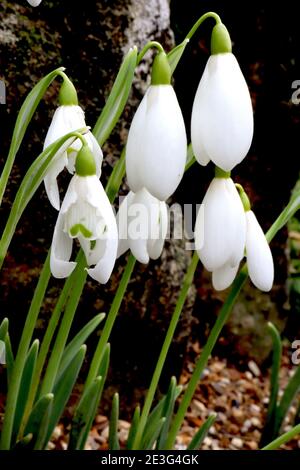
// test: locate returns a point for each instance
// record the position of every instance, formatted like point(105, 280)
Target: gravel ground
point(240, 399)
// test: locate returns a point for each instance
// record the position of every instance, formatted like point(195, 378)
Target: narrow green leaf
point(113, 440)
point(25, 386)
point(190, 158)
point(202, 432)
point(167, 413)
point(175, 54)
point(133, 427)
point(30, 184)
point(41, 439)
point(63, 389)
point(287, 399)
point(3, 328)
point(117, 98)
point(37, 413)
point(283, 439)
point(9, 357)
point(24, 117)
point(148, 445)
point(269, 431)
point(155, 418)
point(84, 414)
point(72, 348)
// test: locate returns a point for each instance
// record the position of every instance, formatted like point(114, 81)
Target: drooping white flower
point(222, 116)
point(85, 214)
point(68, 118)
point(34, 3)
point(143, 223)
point(156, 146)
point(259, 256)
point(220, 230)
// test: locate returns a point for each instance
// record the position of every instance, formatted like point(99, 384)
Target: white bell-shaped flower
point(220, 229)
point(85, 214)
point(222, 116)
point(259, 256)
point(68, 118)
point(34, 3)
point(156, 146)
point(143, 223)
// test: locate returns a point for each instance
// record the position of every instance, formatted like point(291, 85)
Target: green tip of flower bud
point(219, 173)
point(220, 40)
point(244, 198)
point(161, 72)
point(67, 93)
point(85, 163)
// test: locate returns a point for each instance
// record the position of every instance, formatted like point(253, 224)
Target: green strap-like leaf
point(41, 440)
point(9, 357)
point(3, 328)
point(167, 413)
point(36, 415)
point(24, 117)
point(175, 54)
point(154, 436)
point(133, 427)
point(113, 440)
point(269, 431)
point(30, 184)
point(287, 399)
point(63, 389)
point(25, 387)
point(72, 348)
point(202, 432)
point(117, 98)
point(84, 415)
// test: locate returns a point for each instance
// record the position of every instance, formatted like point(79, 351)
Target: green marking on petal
point(93, 244)
point(79, 228)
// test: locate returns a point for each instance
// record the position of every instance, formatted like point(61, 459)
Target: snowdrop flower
point(67, 118)
point(34, 3)
point(222, 116)
point(227, 230)
point(156, 146)
point(143, 223)
point(220, 230)
point(259, 256)
point(85, 214)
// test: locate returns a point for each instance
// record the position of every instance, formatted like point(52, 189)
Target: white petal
point(155, 246)
point(259, 256)
point(222, 117)
point(65, 119)
point(224, 276)
point(34, 3)
point(239, 243)
point(156, 146)
point(219, 225)
point(122, 223)
point(50, 182)
point(103, 269)
point(61, 250)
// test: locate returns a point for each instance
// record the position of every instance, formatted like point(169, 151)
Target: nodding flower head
point(222, 116)
point(85, 214)
point(68, 118)
point(156, 146)
point(142, 222)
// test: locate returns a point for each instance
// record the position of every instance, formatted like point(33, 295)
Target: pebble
point(255, 422)
point(252, 445)
point(246, 426)
point(255, 409)
point(237, 442)
point(266, 400)
point(207, 441)
point(248, 375)
point(254, 368)
point(200, 407)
